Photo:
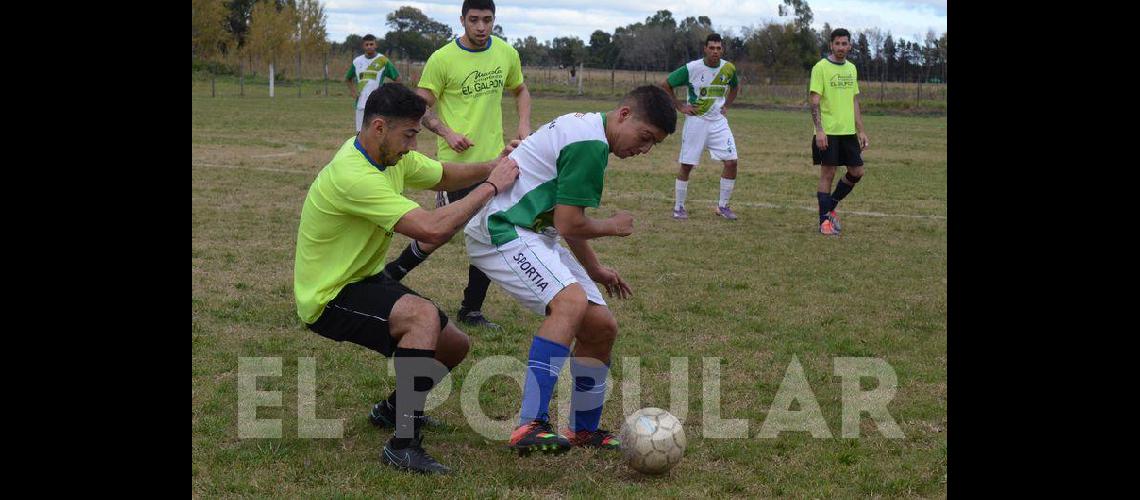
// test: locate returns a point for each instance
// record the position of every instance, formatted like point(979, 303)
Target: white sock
point(726, 186)
point(682, 190)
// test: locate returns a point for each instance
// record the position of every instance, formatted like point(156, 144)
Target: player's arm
point(863, 141)
point(522, 103)
point(571, 222)
point(430, 121)
point(435, 227)
point(460, 175)
point(816, 117)
point(607, 276)
point(350, 80)
point(728, 100)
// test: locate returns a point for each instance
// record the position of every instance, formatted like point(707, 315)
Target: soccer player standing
point(464, 80)
point(366, 73)
point(839, 134)
point(712, 87)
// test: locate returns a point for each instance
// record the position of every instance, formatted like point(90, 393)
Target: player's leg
point(722, 147)
point(850, 157)
point(827, 160)
point(415, 324)
point(692, 143)
point(590, 366)
point(389, 318)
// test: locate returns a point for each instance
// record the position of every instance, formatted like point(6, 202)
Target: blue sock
point(546, 359)
point(588, 396)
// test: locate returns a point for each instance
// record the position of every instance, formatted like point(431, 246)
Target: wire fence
point(323, 76)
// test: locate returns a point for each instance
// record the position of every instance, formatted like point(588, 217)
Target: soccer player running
point(351, 211)
point(514, 239)
point(464, 80)
point(366, 73)
point(712, 87)
point(839, 135)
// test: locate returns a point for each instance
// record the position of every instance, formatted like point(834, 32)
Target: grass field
point(754, 293)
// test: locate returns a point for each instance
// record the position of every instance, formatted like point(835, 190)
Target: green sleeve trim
point(581, 173)
point(679, 77)
point(351, 74)
point(390, 71)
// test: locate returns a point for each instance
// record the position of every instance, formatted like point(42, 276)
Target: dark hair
point(840, 32)
point(478, 4)
point(394, 100)
point(369, 38)
point(653, 105)
point(713, 37)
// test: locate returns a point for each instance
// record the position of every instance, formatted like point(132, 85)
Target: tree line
point(278, 29)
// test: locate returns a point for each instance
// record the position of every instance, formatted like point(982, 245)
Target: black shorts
point(841, 150)
point(359, 313)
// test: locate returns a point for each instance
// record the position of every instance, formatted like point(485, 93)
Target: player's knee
point(415, 315)
point(604, 329)
point(569, 304)
point(853, 179)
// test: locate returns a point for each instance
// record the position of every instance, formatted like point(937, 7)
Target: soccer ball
point(652, 441)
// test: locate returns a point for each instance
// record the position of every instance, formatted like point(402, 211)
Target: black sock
point(824, 205)
point(416, 373)
point(411, 257)
point(476, 291)
point(392, 397)
point(841, 192)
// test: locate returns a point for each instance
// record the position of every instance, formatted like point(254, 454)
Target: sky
point(547, 19)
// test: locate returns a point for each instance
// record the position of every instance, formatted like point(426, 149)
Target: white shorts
point(532, 269)
point(359, 119)
point(699, 134)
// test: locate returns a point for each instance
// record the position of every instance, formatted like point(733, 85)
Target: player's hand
point(610, 278)
point(821, 141)
point(504, 174)
point(863, 142)
point(524, 131)
point(623, 223)
point(724, 111)
point(688, 109)
point(510, 147)
point(458, 142)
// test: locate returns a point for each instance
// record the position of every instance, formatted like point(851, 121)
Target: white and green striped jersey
point(707, 86)
point(369, 73)
point(561, 163)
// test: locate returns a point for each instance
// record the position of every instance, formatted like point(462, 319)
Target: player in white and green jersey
point(366, 73)
point(514, 240)
point(712, 85)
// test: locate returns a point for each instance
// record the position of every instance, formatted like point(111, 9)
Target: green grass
point(754, 293)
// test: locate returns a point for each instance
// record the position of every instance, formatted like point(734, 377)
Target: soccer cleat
point(413, 458)
point(537, 435)
point(834, 218)
point(826, 227)
point(726, 212)
point(383, 415)
point(603, 439)
point(680, 214)
point(475, 318)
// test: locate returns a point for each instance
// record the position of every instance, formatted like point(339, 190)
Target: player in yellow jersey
point(839, 134)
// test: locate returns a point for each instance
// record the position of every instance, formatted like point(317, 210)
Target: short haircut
point(478, 4)
point(840, 32)
point(653, 105)
point(369, 38)
point(394, 100)
point(713, 37)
